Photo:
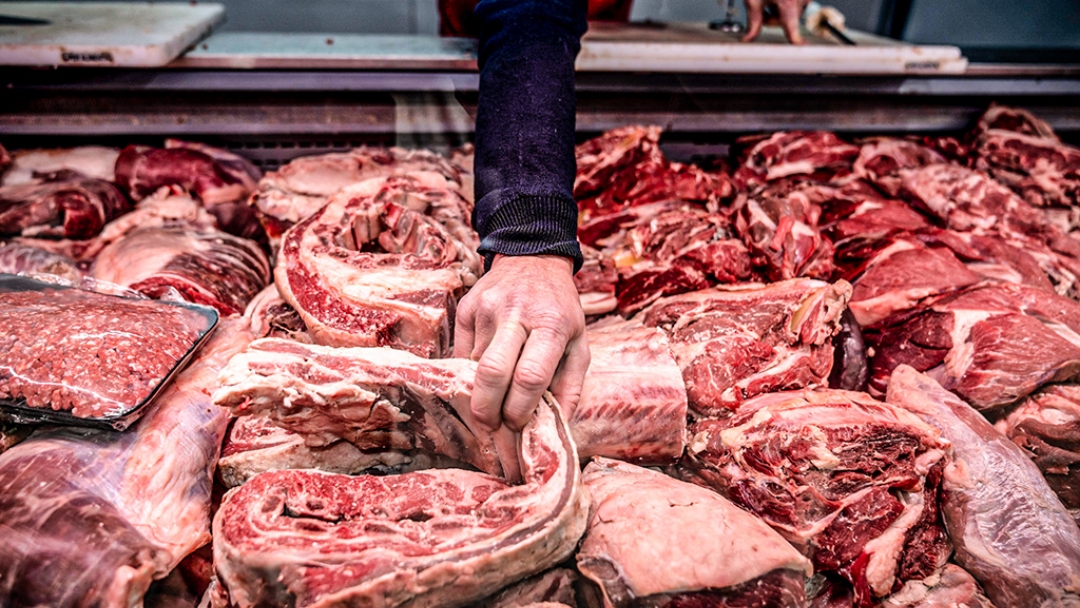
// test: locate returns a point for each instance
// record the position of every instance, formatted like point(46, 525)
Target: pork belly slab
point(1010, 530)
point(656, 541)
point(382, 264)
point(443, 537)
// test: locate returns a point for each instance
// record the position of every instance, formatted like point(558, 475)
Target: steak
point(816, 155)
point(91, 516)
point(35, 166)
point(882, 159)
point(644, 545)
point(851, 481)
point(92, 355)
point(991, 344)
point(214, 176)
point(68, 206)
point(1047, 426)
point(633, 400)
point(382, 264)
point(1009, 529)
point(205, 267)
point(734, 343)
point(427, 538)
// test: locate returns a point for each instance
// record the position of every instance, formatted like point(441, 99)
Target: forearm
point(525, 127)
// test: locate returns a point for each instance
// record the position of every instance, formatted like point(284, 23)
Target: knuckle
point(531, 377)
point(490, 372)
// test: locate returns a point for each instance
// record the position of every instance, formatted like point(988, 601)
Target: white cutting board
point(109, 34)
point(693, 47)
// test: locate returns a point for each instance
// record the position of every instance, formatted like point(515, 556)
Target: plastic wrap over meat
point(34, 166)
point(205, 267)
point(851, 481)
point(733, 343)
point(657, 541)
point(91, 517)
point(382, 264)
point(443, 537)
point(68, 206)
point(1009, 529)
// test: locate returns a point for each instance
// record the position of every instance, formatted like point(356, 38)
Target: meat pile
point(850, 366)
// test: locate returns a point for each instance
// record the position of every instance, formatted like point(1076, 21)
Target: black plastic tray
point(18, 412)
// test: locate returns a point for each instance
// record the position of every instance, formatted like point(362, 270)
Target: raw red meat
point(1010, 531)
point(90, 517)
point(734, 343)
point(849, 480)
point(780, 225)
point(551, 589)
point(1044, 171)
point(645, 545)
point(272, 317)
point(625, 168)
point(214, 176)
point(882, 159)
point(66, 207)
point(205, 267)
point(595, 282)
point(992, 344)
point(817, 155)
point(953, 587)
point(439, 537)
point(1047, 426)
point(24, 259)
point(633, 401)
point(382, 264)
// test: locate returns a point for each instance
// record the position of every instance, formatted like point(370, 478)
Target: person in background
point(522, 321)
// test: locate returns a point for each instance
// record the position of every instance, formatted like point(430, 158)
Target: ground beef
point(93, 355)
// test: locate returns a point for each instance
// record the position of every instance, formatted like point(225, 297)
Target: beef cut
point(298, 189)
point(882, 159)
point(66, 207)
point(953, 587)
point(551, 589)
point(780, 224)
point(27, 260)
point(851, 481)
point(736, 342)
point(1046, 425)
point(382, 264)
point(992, 344)
point(1025, 154)
point(35, 166)
point(1009, 529)
point(435, 537)
point(656, 541)
point(633, 400)
point(272, 317)
point(817, 155)
point(205, 267)
point(255, 445)
point(90, 517)
point(214, 176)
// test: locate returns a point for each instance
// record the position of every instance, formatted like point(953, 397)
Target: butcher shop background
point(966, 23)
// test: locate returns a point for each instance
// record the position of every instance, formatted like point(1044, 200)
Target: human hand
point(790, 11)
point(523, 323)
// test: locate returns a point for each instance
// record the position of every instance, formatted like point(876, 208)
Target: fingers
point(755, 17)
point(495, 372)
point(790, 12)
point(539, 359)
point(464, 329)
point(569, 377)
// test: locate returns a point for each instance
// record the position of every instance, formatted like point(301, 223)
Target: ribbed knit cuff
point(528, 224)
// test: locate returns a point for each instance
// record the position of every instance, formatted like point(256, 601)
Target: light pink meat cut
point(439, 537)
point(734, 343)
point(255, 445)
point(1010, 531)
point(953, 587)
point(633, 401)
point(851, 481)
point(205, 267)
point(300, 188)
point(645, 545)
point(382, 264)
point(30, 166)
point(551, 589)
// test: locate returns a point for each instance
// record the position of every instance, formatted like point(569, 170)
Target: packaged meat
point(79, 357)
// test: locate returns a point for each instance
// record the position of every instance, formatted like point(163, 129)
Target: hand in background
point(789, 10)
point(523, 323)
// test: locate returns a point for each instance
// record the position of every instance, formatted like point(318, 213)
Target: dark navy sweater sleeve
point(524, 162)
